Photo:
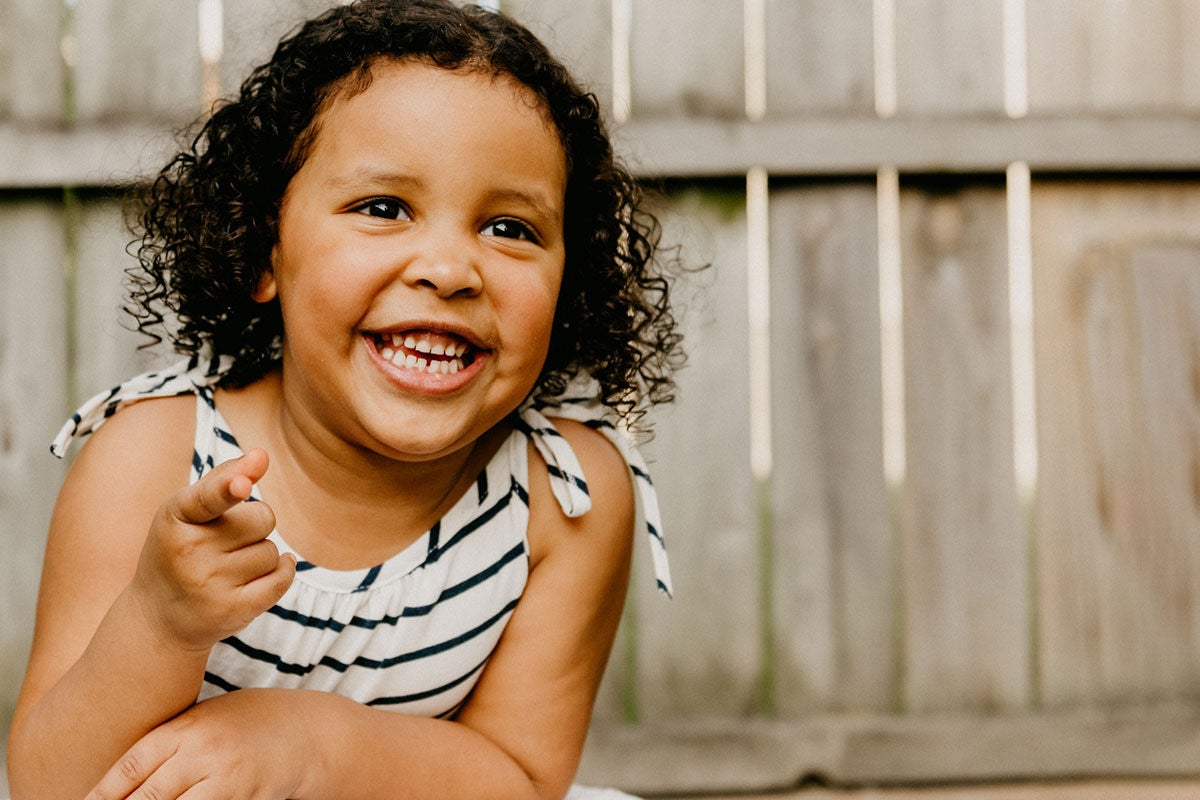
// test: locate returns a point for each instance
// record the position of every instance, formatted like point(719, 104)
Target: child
point(393, 263)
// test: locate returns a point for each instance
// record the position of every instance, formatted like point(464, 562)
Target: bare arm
point(126, 618)
point(520, 735)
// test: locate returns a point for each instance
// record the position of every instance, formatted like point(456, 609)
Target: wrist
point(145, 620)
point(326, 725)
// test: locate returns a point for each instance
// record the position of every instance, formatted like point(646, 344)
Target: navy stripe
point(225, 435)
point(470, 527)
point(641, 473)
point(161, 384)
point(519, 491)
point(664, 589)
point(425, 695)
point(367, 663)
point(653, 531)
point(197, 463)
point(481, 486)
point(304, 566)
point(528, 429)
point(219, 682)
point(409, 611)
point(369, 578)
point(566, 476)
point(435, 535)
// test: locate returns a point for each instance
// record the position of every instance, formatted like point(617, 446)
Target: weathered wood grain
point(714, 756)
point(1113, 57)
point(105, 348)
point(949, 56)
point(138, 59)
point(833, 562)
point(687, 58)
point(1116, 293)
point(698, 654)
point(33, 403)
point(579, 32)
point(32, 73)
point(252, 30)
point(820, 57)
point(964, 555)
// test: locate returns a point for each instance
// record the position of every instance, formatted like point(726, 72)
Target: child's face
point(419, 259)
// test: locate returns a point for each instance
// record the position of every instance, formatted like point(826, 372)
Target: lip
point(431, 373)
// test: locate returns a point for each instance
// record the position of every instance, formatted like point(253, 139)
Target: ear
point(265, 291)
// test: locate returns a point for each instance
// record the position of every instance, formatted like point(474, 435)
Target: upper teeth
point(406, 351)
point(423, 345)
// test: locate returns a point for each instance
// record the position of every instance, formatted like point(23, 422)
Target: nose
point(446, 263)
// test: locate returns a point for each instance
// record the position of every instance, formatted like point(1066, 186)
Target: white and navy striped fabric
point(413, 633)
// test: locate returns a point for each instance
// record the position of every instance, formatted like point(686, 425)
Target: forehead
point(451, 126)
point(414, 95)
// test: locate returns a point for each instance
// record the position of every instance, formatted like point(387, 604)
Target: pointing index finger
point(220, 490)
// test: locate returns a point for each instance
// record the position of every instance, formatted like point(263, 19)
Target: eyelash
point(393, 209)
point(393, 206)
point(523, 232)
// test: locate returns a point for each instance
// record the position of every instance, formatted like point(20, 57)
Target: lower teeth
point(432, 366)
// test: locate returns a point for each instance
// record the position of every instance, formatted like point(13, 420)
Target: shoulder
point(130, 464)
point(146, 434)
point(608, 526)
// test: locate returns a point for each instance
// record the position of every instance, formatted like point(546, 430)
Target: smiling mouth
point(427, 351)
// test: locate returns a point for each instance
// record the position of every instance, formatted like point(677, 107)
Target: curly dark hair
point(209, 220)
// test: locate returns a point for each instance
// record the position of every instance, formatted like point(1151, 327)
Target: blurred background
point(932, 486)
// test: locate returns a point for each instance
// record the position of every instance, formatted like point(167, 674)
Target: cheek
point(530, 311)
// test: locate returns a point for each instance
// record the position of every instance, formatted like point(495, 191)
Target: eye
point(508, 228)
point(383, 208)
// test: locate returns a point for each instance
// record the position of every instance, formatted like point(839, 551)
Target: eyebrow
point(536, 201)
point(368, 175)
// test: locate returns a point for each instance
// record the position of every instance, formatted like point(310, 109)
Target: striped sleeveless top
point(414, 633)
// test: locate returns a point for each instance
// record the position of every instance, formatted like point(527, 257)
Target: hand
point(207, 568)
point(245, 744)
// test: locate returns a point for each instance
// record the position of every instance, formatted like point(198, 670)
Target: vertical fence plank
point(33, 369)
point(252, 29)
point(31, 67)
point(1117, 325)
point(138, 59)
point(1131, 57)
point(698, 654)
point(687, 58)
point(833, 556)
point(964, 553)
point(820, 56)
point(578, 32)
point(105, 346)
point(950, 56)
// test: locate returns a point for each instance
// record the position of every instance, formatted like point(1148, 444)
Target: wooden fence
point(932, 489)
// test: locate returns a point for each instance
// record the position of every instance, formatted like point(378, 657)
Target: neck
point(340, 504)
